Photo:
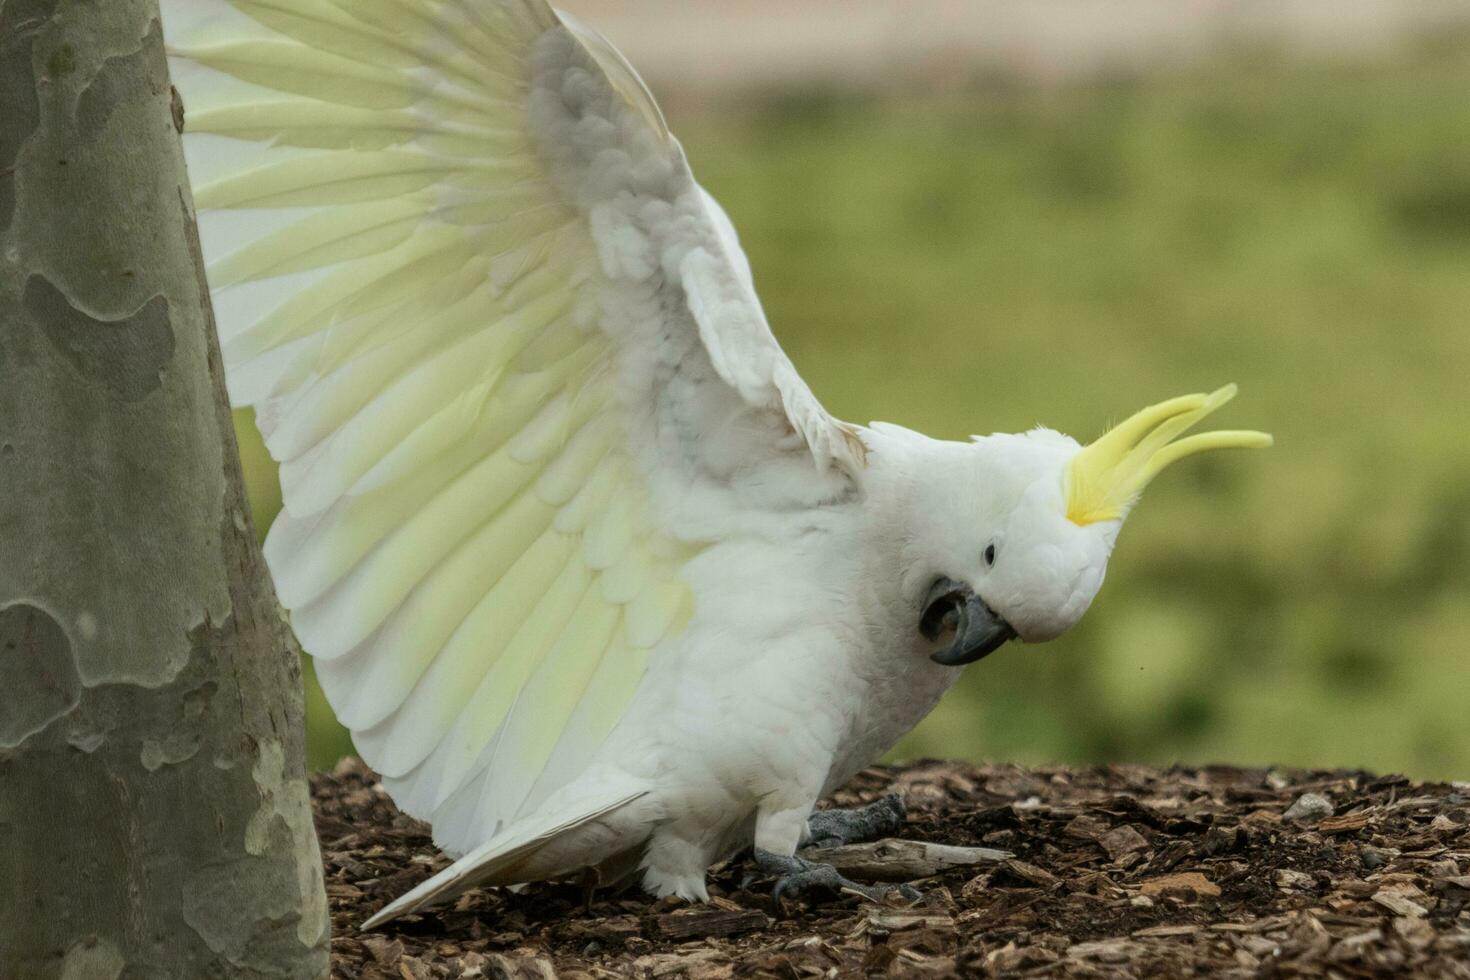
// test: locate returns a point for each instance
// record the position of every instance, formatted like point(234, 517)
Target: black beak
point(977, 629)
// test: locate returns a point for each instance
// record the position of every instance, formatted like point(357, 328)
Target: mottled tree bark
point(154, 814)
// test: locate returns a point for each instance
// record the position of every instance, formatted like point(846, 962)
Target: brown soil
point(1119, 871)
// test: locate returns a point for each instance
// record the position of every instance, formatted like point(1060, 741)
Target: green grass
point(987, 262)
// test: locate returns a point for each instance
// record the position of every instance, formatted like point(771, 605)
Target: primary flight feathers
point(434, 287)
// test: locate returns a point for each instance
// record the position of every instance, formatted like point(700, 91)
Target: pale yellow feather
point(412, 306)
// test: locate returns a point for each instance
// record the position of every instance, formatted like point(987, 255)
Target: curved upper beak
point(977, 629)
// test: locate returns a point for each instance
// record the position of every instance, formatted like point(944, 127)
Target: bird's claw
point(906, 892)
point(819, 876)
point(834, 828)
point(796, 876)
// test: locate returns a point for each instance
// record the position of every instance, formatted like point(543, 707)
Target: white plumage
point(589, 572)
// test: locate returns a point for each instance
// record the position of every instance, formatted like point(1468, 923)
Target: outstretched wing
point(509, 357)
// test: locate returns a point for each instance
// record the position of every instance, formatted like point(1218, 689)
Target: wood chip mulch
point(1119, 871)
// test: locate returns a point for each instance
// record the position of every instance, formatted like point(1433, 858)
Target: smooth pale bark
point(154, 814)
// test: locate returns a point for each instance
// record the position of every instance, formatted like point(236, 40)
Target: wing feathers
point(392, 660)
point(484, 314)
point(352, 608)
point(529, 734)
point(404, 740)
point(470, 741)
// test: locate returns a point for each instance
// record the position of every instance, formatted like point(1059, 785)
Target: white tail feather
point(494, 861)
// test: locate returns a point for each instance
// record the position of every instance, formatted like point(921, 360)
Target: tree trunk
point(154, 814)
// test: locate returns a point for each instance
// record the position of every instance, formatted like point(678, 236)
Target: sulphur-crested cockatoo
point(590, 574)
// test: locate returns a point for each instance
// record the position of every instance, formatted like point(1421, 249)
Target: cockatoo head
point(1044, 513)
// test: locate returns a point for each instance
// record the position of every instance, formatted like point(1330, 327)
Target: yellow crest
point(1106, 477)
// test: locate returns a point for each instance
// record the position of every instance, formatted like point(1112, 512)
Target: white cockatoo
point(591, 575)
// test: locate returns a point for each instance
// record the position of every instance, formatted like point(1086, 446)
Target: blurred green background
point(1007, 254)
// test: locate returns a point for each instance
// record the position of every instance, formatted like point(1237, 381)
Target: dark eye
point(990, 554)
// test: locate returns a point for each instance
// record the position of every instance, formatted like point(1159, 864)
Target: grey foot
point(833, 828)
point(795, 876)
